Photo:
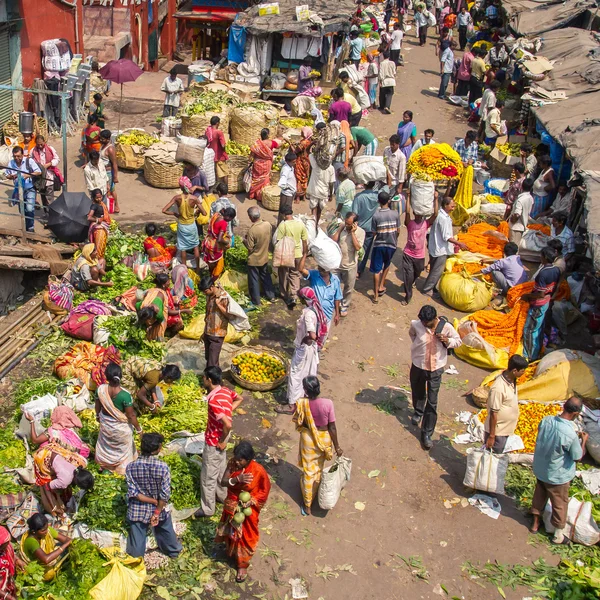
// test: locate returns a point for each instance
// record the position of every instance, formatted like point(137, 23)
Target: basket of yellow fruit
point(258, 368)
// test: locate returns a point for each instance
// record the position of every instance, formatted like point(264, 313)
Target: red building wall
point(44, 20)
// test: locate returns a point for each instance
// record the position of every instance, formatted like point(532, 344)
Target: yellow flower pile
point(530, 415)
point(258, 368)
point(435, 162)
point(510, 149)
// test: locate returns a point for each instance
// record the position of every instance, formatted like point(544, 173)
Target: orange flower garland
point(478, 239)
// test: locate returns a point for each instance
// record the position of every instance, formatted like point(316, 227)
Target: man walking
point(441, 245)
point(287, 184)
point(289, 277)
point(557, 448)
point(503, 405)
point(22, 171)
point(257, 241)
point(395, 164)
point(386, 228)
point(148, 493)
point(350, 238)
point(431, 338)
point(446, 67)
point(365, 204)
point(221, 404)
point(96, 177)
point(519, 215)
point(320, 188)
point(216, 322)
point(328, 290)
point(172, 86)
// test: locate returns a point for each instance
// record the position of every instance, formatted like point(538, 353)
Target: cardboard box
point(268, 9)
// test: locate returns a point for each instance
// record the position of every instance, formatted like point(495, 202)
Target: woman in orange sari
point(262, 163)
point(99, 219)
point(91, 137)
point(243, 474)
point(302, 166)
point(217, 241)
point(156, 247)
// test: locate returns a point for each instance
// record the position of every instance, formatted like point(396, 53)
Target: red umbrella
point(120, 71)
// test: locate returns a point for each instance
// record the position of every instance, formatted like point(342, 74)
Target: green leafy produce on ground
point(105, 507)
point(39, 386)
point(122, 278)
point(12, 449)
point(120, 245)
point(8, 485)
point(89, 432)
point(129, 338)
point(185, 480)
point(236, 258)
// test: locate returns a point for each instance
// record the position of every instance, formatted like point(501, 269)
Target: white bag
point(77, 400)
point(101, 334)
point(421, 197)
point(368, 168)
point(236, 315)
point(581, 527)
point(531, 245)
point(333, 481)
point(40, 407)
point(326, 252)
point(485, 470)
point(361, 96)
point(430, 19)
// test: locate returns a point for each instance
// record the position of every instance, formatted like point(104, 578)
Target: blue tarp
point(237, 42)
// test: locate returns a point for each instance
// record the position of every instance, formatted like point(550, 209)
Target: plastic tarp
point(237, 43)
point(549, 16)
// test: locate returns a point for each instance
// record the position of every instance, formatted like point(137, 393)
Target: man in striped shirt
point(386, 229)
point(221, 404)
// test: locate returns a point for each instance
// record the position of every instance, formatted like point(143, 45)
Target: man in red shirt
point(221, 404)
point(216, 142)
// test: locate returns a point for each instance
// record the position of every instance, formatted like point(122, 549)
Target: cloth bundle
point(87, 362)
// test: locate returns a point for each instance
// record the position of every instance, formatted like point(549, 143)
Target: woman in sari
point(88, 270)
point(9, 564)
point(187, 231)
point(302, 166)
point(315, 420)
point(63, 422)
point(174, 312)
point(153, 312)
point(115, 447)
point(407, 131)
point(217, 240)
point(183, 287)
point(261, 154)
point(91, 137)
point(43, 544)
point(56, 469)
point(243, 474)
point(311, 333)
point(156, 247)
point(99, 220)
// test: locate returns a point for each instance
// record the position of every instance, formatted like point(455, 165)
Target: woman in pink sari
point(262, 163)
point(63, 423)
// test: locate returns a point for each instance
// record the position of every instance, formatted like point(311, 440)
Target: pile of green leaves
point(130, 339)
point(520, 484)
point(185, 481)
point(208, 101)
point(105, 507)
point(120, 245)
point(84, 569)
point(8, 485)
point(12, 449)
point(184, 409)
point(122, 278)
point(236, 258)
point(40, 386)
point(89, 430)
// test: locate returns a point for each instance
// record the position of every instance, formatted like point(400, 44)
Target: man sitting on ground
point(508, 271)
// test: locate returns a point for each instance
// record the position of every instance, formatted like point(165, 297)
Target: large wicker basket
point(237, 167)
point(271, 197)
point(251, 385)
point(480, 396)
point(195, 125)
point(162, 175)
point(248, 121)
point(275, 175)
point(130, 157)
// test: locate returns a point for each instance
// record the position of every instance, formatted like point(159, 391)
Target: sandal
point(375, 300)
point(403, 302)
point(241, 578)
point(285, 410)
point(382, 292)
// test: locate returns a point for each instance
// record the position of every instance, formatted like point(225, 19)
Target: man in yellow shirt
point(478, 69)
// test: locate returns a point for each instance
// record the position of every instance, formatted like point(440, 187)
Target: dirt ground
point(355, 551)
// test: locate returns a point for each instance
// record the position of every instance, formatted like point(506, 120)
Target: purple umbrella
point(120, 71)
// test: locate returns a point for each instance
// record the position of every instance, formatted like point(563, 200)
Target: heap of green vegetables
point(208, 101)
point(129, 338)
point(185, 481)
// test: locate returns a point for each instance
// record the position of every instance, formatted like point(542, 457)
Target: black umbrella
point(67, 218)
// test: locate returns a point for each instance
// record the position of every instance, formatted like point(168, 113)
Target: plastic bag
point(125, 580)
point(326, 252)
point(284, 253)
point(333, 481)
point(581, 527)
point(485, 471)
point(236, 315)
point(74, 394)
point(463, 292)
point(194, 330)
point(189, 150)
point(421, 197)
point(368, 168)
point(234, 280)
point(206, 204)
point(247, 179)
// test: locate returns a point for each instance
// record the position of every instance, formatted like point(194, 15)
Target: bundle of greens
point(123, 278)
point(105, 507)
point(184, 409)
point(129, 338)
point(12, 449)
point(120, 245)
point(39, 386)
point(236, 258)
point(208, 101)
point(8, 485)
point(185, 481)
point(89, 432)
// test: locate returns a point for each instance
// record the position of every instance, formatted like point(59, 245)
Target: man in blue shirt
point(557, 448)
point(364, 205)
point(21, 171)
point(327, 288)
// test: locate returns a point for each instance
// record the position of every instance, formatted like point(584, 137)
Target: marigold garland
point(479, 239)
point(545, 229)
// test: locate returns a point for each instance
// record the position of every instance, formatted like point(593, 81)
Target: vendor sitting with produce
point(147, 380)
point(88, 270)
point(63, 423)
point(174, 320)
point(56, 469)
point(156, 247)
point(43, 544)
point(508, 271)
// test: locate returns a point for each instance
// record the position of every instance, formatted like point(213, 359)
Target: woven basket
point(195, 125)
point(251, 385)
point(480, 396)
point(499, 169)
point(237, 167)
point(128, 158)
point(248, 121)
point(275, 175)
point(160, 175)
point(271, 197)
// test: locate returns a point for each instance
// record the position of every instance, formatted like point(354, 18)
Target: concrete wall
point(105, 20)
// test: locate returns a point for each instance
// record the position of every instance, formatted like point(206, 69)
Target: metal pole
point(20, 187)
point(63, 118)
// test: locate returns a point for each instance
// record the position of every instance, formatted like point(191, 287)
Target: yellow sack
point(234, 280)
point(195, 329)
point(460, 215)
point(484, 356)
point(463, 292)
point(125, 580)
point(206, 204)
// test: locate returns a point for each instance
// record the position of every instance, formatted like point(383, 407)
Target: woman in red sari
point(156, 247)
point(243, 474)
point(302, 166)
point(262, 163)
point(9, 563)
point(91, 137)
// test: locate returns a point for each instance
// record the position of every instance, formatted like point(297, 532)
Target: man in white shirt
point(396, 45)
point(320, 187)
point(288, 184)
point(395, 163)
point(424, 141)
point(96, 177)
point(519, 216)
point(441, 245)
point(493, 124)
point(173, 88)
point(488, 100)
point(387, 83)
point(446, 67)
